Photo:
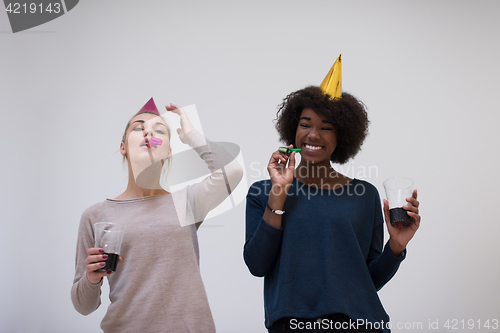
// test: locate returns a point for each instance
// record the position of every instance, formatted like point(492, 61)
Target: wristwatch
point(277, 211)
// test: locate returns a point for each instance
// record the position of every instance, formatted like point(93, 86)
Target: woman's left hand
point(186, 125)
point(399, 237)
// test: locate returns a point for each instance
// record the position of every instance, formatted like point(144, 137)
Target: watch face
point(277, 211)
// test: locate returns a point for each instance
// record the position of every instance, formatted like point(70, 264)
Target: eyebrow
point(142, 121)
point(307, 118)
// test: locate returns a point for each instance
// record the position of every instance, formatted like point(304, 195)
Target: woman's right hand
point(94, 261)
point(281, 174)
point(281, 181)
point(186, 125)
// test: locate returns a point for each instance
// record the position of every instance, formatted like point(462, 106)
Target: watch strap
point(277, 211)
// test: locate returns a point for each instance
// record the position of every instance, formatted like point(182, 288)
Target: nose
point(313, 133)
point(146, 133)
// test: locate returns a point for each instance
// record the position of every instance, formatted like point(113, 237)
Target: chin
point(317, 160)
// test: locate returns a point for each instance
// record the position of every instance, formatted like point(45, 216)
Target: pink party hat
point(150, 106)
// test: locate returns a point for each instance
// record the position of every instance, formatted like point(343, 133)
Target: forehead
point(310, 113)
point(147, 119)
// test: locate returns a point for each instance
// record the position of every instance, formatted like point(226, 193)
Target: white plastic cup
point(109, 237)
point(397, 189)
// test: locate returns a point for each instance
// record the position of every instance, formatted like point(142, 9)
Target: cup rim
point(386, 186)
point(120, 226)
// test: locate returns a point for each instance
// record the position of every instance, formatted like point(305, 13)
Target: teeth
point(313, 147)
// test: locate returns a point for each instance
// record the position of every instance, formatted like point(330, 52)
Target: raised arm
point(225, 175)
point(263, 226)
point(196, 201)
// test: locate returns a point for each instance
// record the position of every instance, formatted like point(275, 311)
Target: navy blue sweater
point(328, 257)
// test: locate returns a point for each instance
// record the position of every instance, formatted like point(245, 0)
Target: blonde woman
point(157, 286)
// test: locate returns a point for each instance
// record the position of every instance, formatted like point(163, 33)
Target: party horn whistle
point(287, 150)
point(155, 141)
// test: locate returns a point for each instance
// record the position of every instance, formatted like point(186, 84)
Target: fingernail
point(101, 250)
point(102, 263)
point(104, 256)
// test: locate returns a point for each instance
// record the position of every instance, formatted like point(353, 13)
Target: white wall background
point(427, 70)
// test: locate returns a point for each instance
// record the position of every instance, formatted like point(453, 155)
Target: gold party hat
point(332, 84)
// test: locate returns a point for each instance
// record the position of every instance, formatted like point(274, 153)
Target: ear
point(169, 155)
point(123, 151)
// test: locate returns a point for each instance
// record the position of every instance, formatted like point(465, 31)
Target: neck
point(320, 175)
point(146, 183)
point(315, 171)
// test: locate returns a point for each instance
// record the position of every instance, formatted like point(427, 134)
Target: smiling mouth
point(312, 147)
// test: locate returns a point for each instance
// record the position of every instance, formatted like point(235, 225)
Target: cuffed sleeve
point(381, 264)
point(383, 268)
point(84, 294)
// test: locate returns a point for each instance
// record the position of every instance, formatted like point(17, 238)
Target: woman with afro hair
point(315, 235)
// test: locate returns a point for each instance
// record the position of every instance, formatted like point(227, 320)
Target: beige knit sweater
point(158, 287)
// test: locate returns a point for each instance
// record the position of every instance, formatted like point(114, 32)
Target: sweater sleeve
point(225, 175)
point(85, 295)
point(382, 263)
point(263, 242)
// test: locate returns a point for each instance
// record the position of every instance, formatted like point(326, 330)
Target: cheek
point(299, 134)
point(135, 135)
point(164, 148)
point(134, 139)
point(333, 140)
point(166, 141)
point(165, 145)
